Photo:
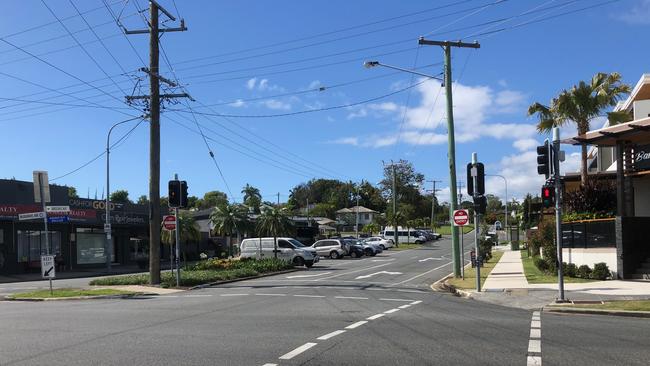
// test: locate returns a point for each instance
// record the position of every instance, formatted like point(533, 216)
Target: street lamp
point(107, 222)
point(506, 205)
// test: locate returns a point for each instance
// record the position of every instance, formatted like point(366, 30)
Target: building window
point(90, 247)
point(366, 216)
point(31, 244)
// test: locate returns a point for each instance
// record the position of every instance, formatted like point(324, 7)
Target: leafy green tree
point(274, 222)
point(580, 105)
point(120, 196)
point(72, 192)
point(213, 199)
point(189, 231)
point(143, 200)
point(192, 202)
point(323, 210)
point(252, 197)
point(371, 228)
point(228, 220)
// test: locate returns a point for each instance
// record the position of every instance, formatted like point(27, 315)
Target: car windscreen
point(296, 243)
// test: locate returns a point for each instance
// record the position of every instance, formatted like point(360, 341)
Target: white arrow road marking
point(430, 259)
point(309, 275)
point(376, 273)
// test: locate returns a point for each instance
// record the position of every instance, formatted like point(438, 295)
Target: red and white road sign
point(169, 222)
point(461, 217)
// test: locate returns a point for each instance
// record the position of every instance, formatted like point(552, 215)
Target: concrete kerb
point(99, 297)
point(587, 311)
point(443, 286)
point(217, 283)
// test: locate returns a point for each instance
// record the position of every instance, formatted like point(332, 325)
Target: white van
point(404, 235)
point(289, 249)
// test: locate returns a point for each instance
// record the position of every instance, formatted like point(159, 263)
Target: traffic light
point(480, 179)
point(548, 196)
point(175, 193)
point(544, 159)
point(183, 201)
point(480, 204)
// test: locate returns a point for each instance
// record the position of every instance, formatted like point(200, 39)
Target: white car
point(289, 249)
point(383, 243)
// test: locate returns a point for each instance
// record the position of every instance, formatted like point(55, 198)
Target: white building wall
point(591, 256)
point(642, 196)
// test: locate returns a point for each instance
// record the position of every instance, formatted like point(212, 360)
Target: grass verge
point(211, 270)
point(470, 273)
point(446, 230)
point(629, 305)
point(68, 292)
point(534, 275)
point(406, 246)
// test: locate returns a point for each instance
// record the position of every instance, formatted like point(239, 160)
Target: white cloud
point(250, 84)
point(276, 104)
point(639, 14)
point(238, 103)
point(354, 141)
point(510, 101)
point(314, 84)
point(263, 85)
point(525, 144)
point(362, 112)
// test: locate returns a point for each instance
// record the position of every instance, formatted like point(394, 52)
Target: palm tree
point(371, 228)
point(252, 197)
point(227, 220)
point(274, 222)
point(581, 104)
point(395, 218)
point(189, 230)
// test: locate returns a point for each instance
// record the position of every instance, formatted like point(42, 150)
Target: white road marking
point(351, 297)
point(356, 271)
point(391, 311)
point(309, 275)
point(330, 335)
point(197, 296)
point(416, 302)
point(421, 274)
point(376, 316)
point(535, 333)
point(383, 260)
point(535, 324)
point(377, 273)
point(431, 259)
point(270, 294)
point(270, 364)
point(308, 295)
point(298, 351)
point(412, 291)
point(234, 294)
point(535, 346)
point(405, 300)
point(404, 306)
point(534, 361)
point(356, 325)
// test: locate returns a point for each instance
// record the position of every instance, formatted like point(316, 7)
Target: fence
point(599, 233)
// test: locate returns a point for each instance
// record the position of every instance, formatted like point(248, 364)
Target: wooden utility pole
point(446, 46)
point(154, 131)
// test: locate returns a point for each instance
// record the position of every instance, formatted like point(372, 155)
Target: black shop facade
point(78, 242)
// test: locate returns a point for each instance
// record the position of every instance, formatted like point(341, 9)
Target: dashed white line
point(376, 316)
point(197, 296)
point(404, 300)
point(535, 324)
point(270, 294)
point(308, 295)
point(535, 333)
point(270, 364)
point(534, 357)
point(404, 306)
point(535, 346)
point(416, 302)
point(330, 335)
point(356, 325)
point(297, 351)
point(534, 361)
point(234, 295)
point(351, 297)
point(391, 311)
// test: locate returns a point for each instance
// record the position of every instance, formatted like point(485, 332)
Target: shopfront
point(79, 243)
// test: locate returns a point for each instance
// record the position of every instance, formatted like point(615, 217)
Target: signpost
point(169, 222)
point(461, 218)
point(48, 269)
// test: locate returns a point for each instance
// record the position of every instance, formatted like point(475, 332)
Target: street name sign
point(169, 222)
point(57, 209)
point(48, 269)
point(31, 216)
point(461, 217)
point(57, 219)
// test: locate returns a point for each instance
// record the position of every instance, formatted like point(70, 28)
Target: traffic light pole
point(476, 220)
point(558, 212)
point(178, 242)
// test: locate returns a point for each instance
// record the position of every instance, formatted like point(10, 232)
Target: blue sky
point(235, 51)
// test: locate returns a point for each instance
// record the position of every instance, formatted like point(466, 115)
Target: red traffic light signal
point(548, 196)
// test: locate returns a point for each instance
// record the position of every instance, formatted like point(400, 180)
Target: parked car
point(370, 250)
point(353, 248)
point(333, 248)
point(383, 243)
point(404, 235)
point(289, 249)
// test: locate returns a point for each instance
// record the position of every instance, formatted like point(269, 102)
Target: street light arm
point(370, 64)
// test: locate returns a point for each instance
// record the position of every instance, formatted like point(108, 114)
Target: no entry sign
point(169, 222)
point(461, 217)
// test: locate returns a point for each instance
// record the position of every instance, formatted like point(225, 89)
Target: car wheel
point(334, 255)
point(368, 252)
point(309, 265)
point(298, 261)
point(382, 247)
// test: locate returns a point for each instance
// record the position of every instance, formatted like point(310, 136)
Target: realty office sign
point(642, 157)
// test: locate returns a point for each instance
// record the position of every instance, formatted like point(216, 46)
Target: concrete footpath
point(507, 285)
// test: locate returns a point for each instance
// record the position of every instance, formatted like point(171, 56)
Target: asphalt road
point(370, 311)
